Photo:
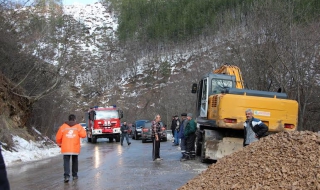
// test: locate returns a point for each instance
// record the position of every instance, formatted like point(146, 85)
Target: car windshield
point(106, 114)
point(140, 123)
point(147, 125)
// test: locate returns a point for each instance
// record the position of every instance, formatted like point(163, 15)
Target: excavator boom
point(231, 70)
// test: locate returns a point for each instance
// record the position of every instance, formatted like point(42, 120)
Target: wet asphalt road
point(105, 166)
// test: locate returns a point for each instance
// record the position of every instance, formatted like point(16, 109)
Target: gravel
point(286, 160)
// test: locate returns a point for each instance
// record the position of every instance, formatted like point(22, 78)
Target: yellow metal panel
point(272, 111)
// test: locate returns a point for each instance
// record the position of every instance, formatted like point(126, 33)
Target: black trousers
point(155, 149)
point(183, 146)
point(4, 182)
point(66, 165)
point(190, 148)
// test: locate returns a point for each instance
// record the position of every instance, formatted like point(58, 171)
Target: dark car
point(146, 132)
point(136, 128)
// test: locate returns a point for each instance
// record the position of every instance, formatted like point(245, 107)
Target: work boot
point(66, 179)
point(184, 158)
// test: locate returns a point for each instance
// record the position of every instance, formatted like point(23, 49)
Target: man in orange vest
point(68, 138)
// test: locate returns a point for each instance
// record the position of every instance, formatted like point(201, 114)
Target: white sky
point(72, 2)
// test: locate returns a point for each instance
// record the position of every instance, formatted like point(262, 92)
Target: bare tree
point(277, 50)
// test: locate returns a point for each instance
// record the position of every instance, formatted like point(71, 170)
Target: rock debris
point(286, 160)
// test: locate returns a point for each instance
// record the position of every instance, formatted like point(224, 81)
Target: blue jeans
point(125, 135)
point(66, 165)
point(176, 138)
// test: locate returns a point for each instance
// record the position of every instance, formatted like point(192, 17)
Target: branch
point(44, 93)
point(21, 81)
point(33, 99)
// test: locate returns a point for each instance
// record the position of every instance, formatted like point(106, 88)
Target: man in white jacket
point(254, 128)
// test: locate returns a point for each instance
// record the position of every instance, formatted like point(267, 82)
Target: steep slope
point(14, 113)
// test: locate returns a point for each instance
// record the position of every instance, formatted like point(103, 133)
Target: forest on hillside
point(175, 21)
point(275, 44)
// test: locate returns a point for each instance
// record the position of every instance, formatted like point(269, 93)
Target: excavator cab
point(209, 85)
point(221, 104)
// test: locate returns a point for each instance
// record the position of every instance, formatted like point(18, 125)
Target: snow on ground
point(32, 151)
point(28, 151)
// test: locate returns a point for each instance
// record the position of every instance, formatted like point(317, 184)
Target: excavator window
point(204, 89)
point(218, 85)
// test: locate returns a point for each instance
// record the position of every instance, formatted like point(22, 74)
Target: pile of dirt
point(286, 160)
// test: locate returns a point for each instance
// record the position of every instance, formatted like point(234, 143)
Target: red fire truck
point(103, 122)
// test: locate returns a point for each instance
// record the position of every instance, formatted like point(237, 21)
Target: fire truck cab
point(103, 122)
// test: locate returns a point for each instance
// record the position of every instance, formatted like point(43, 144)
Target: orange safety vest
point(68, 138)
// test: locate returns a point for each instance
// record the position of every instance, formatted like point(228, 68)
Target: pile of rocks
point(286, 160)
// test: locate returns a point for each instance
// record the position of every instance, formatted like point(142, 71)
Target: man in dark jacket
point(183, 125)
point(173, 127)
point(124, 133)
point(4, 183)
point(190, 135)
point(254, 128)
point(176, 126)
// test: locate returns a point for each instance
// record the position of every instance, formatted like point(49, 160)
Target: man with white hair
point(254, 128)
point(156, 129)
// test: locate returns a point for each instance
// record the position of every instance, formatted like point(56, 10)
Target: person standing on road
point(156, 129)
point(4, 182)
point(176, 126)
point(68, 138)
point(183, 125)
point(124, 133)
point(172, 128)
point(190, 135)
point(254, 128)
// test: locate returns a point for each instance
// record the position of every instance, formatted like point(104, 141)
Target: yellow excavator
point(221, 105)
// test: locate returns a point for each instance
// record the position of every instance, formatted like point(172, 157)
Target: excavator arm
point(231, 70)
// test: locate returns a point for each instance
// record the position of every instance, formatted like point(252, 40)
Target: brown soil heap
point(286, 160)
